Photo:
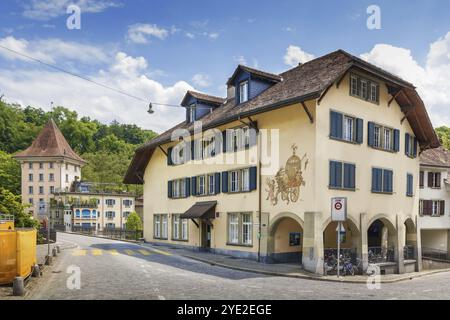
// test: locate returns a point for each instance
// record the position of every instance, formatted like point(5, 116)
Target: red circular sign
point(338, 206)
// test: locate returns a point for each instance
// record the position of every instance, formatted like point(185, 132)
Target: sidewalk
point(286, 269)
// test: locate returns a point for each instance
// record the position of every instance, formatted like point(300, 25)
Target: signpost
point(43, 213)
point(339, 215)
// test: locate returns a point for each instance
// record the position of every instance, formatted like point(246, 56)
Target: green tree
point(443, 134)
point(134, 222)
point(9, 173)
point(11, 204)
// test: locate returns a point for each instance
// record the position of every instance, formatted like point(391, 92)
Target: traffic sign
point(339, 209)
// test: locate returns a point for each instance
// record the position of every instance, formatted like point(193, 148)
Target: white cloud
point(190, 35)
point(295, 55)
point(201, 80)
point(36, 86)
point(49, 9)
point(432, 79)
point(240, 60)
point(141, 32)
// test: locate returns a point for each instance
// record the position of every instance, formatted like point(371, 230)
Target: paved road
point(118, 270)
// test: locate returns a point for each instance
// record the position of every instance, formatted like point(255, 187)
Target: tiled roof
point(438, 157)
point(205, 97)
point(50, 143)
point(305, 82)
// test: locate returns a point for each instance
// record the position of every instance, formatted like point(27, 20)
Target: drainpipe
point(258, 145)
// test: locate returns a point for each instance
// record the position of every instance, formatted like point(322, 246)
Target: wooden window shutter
point(169, 189)
point(224, 141)
point(336, 125)
point(217, 183)
point(253, 178)
point(349, 176)
point(416, 145)
point(194, 186)
point(396, 140)
point(225, 181)
point(421, 178)
point(187, 182)
point(371, 134)
point(428, 207)
point(359, 130)
point(430, 179)
point(437, 181)
point(442, 207)
point(169, 156)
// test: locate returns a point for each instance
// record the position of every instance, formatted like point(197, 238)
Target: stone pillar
point(418, 251)
point(363, 253)
point(400, 244)
point(313, 243)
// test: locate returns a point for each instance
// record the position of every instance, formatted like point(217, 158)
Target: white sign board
point(339, 209)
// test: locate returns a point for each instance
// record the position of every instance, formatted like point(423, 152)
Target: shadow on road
point(177, 261)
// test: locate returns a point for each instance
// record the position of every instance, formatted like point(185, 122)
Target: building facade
point(90, 210)
point(434, 213)
point(47, 166)
point(258, 179)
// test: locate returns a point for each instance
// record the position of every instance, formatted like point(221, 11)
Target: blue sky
point(158, 49)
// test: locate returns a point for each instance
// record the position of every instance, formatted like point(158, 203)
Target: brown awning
point(201, 210)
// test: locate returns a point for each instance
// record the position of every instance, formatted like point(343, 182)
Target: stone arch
point(280, 229)
point(352, 223)
point(382, 239)
point(385, 219)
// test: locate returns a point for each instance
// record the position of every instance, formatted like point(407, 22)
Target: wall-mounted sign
point(339, 209)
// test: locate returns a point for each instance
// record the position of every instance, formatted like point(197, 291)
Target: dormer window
point(192, 112)
point(243, 91)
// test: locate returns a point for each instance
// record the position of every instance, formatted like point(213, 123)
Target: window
point(30, 201)
point(382, 181)
point(157, 226)
point(179, 188)
point(201, 185)
point(176, 189)
point(52, 189)
point(110, 202)
point(434, 180)
point(110, 215)
point(50, 165)
point(41, 177)
point(233, 228)
point(110, 225)
point(67, 178)
point(41, 165)
point(243, 92)
point(176, 227)
point(346, 128)
point(126, 214)
point(184, 229)
point(192, 109)
point(434, 208)
point(411, 146)
point(409, 185)
point(76, 168)
point(41, 190)
point(364, 88)
point(51, 177)
point(127, 203)
point(211, 184)
point(245, 180)
point(342, 175)
point(30, 177)
point(164, 227)
point(247, 228)
point(30, 165)
point(240, 228)
point(234, 181)
point(384, 138)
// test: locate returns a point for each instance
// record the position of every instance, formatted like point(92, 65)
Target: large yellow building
point(270, 157)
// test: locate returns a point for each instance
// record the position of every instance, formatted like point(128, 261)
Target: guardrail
point(435, 254)
point(110, 233)
point(381, 254)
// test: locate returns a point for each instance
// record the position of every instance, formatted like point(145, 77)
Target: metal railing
point(409, 253)
point(110, 233)
point(435, 254)
point(6, 217)
point(381, 254)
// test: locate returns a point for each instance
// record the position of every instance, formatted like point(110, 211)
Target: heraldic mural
point(288, 180)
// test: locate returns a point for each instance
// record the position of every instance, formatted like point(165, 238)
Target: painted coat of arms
point(288, 180)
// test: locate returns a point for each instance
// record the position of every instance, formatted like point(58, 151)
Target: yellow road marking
point(129, 252)
point(96, 252)
point(113, 252)
point(78, 253)
point(145, 252)
point(161, 252)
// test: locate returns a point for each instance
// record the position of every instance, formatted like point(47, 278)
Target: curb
point(311, 277)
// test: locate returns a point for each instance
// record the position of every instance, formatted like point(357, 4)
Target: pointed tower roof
point(50, 143)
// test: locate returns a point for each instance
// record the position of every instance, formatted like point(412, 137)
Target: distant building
point(83, 208)
point(48, 165)
point(139, 206)
point(434, 213)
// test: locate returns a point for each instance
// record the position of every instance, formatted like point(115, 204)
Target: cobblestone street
point(118, 270)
